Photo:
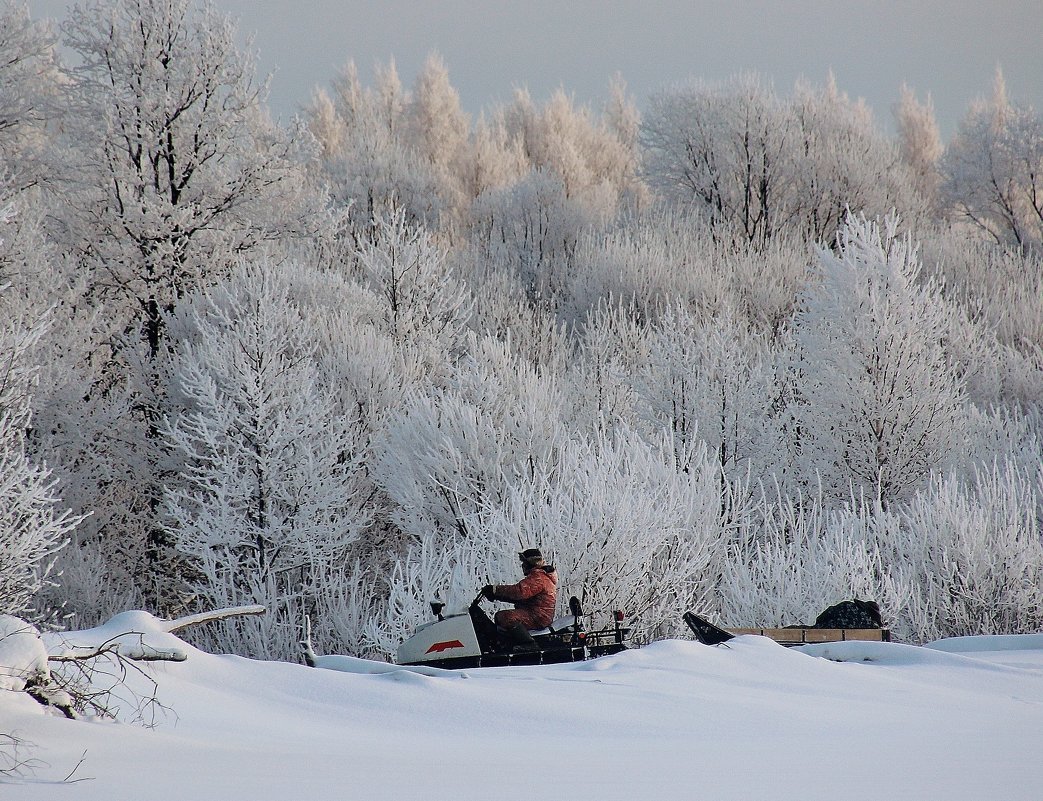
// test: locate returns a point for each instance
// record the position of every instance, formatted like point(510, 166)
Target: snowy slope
point(673, 720)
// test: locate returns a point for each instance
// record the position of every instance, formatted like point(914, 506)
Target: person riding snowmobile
point(534, 598)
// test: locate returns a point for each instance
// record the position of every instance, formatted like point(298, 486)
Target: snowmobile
point(470, 639)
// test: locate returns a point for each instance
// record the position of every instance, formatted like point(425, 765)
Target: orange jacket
point(535, 598)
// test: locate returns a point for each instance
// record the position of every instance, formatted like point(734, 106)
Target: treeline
point(744, 353)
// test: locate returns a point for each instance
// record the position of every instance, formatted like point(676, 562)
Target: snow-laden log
point(140, 652)
point(217, 614)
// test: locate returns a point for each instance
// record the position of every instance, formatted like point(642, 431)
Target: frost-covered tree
point(790, 558)
point(437, 127)
point(503, 310)
point(669, 256)
point(645, 267)
point(496, 159)
point(423, 305)
point(591, 158)
point(32, 526)
point(714, 382)
point(919, 141)
point(531, 229)
point(171, 169)
point(268, 501)
point(86, 429)
point(28, 82)
point(843, 163)
point(973, 550)
point(175, 167)
point(1000, 291)
point(577, 173)
point(92, 440)
point(992, 171)
point(621, 114)
point(602, 390)
point(878, 401)
point(723, 150)
point(757, 165)
point(368, 163)
point(449, 449)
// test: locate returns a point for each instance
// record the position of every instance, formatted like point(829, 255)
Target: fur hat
point(531, 556)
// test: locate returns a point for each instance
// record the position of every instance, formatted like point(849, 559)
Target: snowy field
point(752, 720)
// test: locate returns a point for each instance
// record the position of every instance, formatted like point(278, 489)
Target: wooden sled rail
point(709, 634)
point(801, 636)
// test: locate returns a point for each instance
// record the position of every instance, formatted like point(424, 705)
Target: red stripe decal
point(438, 647)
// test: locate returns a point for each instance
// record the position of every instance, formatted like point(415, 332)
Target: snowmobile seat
point(556, 627)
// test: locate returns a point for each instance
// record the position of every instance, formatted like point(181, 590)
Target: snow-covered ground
point(674, 720)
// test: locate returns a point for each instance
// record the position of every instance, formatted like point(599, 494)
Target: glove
point(488, 592)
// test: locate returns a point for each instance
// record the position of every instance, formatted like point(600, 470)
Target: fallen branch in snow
point(96, 682)
point(14, 762)
point(139, 652)
point(69, 776)
point(217, 614)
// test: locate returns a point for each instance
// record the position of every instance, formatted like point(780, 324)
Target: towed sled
point(709, 634)
point(705, 631)
point(470, 639)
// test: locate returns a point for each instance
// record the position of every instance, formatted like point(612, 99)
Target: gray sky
point(949, 49)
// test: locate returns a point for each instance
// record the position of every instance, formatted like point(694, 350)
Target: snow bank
point(674, 720)
point(992, 643)
point(135, 634)
point(352, 664)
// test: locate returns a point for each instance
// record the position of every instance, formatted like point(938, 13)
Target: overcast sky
point(949, 48)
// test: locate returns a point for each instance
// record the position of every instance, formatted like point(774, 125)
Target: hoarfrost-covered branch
point(217, 614)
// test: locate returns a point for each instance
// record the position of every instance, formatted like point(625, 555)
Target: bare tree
point(176, 167)
point(992, 171)
point(757, 165)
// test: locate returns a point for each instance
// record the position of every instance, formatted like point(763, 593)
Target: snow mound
point(352, 664)
point(990, 643)
point(901, 655)
point(23, 655)
point(134, 634)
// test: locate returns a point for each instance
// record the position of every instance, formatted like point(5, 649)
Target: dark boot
point(520, 638)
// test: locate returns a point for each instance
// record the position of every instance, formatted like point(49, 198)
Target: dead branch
point(217, 614)
point(14, 761)
point(99, 686)
point(139, 653)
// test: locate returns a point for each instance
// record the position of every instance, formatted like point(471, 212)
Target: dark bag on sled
point(854, 614)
